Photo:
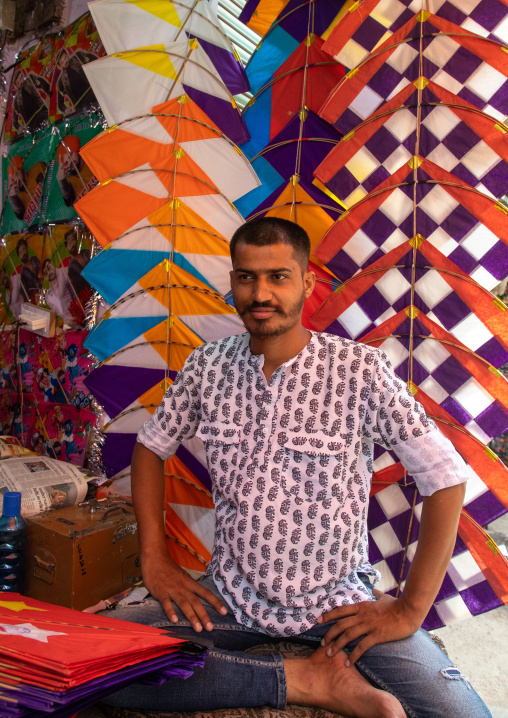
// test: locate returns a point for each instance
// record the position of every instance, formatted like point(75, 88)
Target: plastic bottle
point(13, 530)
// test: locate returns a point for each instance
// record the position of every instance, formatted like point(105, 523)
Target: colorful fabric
point(366, 26)
point(44, 402)
point(175, 128)
point(467, 227)
point(304, 79)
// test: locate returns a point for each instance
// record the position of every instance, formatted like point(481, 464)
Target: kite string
point(171, 193)
point(302, 113)
point(172, 184)
point(415, 199)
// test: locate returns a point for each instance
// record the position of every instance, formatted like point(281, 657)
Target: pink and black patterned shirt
point(291, 462)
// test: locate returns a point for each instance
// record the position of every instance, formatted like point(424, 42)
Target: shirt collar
point(258, 360)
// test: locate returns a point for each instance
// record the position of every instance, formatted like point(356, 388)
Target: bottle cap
point(12, 503)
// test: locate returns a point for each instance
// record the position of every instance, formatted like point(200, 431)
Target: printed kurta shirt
point(291, 463)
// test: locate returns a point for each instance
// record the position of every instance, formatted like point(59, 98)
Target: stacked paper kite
point(169, 170)
point(57, 661)
point(421, 235)
point(399, 164)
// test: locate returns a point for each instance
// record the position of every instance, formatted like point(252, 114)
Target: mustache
point(260, 305)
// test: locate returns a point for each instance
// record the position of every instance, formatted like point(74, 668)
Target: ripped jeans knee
point(452, 673)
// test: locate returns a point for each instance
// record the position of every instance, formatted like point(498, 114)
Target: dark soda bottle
point(13, 529)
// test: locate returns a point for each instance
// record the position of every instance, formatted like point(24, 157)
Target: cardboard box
point(76, 558)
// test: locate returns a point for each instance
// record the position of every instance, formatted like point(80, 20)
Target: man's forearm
point(147, 476)
point(165, 580)
point(438, 531)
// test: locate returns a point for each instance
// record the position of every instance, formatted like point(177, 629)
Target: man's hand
point(171, 585)
point(387, 619)
point(392, 619)
point(167, 582)
point(62, 171)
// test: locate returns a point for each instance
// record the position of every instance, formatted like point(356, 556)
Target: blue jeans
point(415, 670)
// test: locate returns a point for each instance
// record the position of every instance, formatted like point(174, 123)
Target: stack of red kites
point(57, 661)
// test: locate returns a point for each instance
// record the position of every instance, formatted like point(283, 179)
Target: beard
point(276, 325)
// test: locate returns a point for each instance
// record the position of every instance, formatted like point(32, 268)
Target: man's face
point(70, 162)
point(71, 244)
point(269, 289)
point(49, 272)
point(63, 60)
point(23, 253)
point(18, 80)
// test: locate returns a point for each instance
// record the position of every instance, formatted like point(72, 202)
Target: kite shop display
point(44, 402)
point(380, 129)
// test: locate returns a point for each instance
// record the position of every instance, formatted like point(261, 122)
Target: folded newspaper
point(44, 483)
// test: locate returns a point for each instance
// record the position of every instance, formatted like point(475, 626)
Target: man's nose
point(261, 291)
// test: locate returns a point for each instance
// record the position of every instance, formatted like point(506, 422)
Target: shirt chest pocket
point(311, 467)
point(222, 441)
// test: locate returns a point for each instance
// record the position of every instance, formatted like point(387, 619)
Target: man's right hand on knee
point(172, 586)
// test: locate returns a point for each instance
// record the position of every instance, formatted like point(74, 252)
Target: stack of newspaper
point(56, 661)
point(44, 483)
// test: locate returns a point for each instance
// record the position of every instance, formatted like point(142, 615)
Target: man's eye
point(279, 277)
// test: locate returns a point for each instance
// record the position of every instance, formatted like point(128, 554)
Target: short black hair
point(21, 241)
point(68, 234)
point(274, 230)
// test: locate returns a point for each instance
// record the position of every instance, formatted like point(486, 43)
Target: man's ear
point(309, 282)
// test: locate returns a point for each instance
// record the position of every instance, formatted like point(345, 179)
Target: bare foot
point(325, 682)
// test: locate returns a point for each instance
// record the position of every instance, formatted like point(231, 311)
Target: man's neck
point(279, 349)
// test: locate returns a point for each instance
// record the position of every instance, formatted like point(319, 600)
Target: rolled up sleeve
point(402, 426)
point(178, 415)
